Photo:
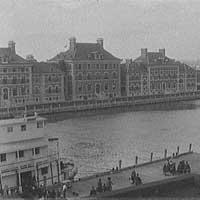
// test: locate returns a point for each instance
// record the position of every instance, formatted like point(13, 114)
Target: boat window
point(10, 129)
point(37, 150)
point(23, 127)
point(3, 157)
point(40, 124)
point(44, 170)
point(21, 154)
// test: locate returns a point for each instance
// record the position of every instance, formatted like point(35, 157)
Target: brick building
point(15, 77)
point(91, 71)
point(47, 83)
point(155, 73)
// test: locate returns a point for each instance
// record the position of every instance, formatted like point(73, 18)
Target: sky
point(43, 27)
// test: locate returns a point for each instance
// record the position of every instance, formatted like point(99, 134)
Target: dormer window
point(4, 60)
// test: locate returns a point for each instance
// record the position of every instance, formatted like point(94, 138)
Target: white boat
point(24, 154)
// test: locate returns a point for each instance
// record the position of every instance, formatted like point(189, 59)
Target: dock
point(150, 173)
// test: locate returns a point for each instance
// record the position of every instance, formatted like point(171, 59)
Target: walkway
point(149, 172)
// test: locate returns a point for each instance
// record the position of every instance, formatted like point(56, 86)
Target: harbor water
point(96, 141)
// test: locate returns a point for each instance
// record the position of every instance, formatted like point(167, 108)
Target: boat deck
point(149, 172)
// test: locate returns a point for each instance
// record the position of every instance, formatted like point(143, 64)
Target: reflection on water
point(96, 141)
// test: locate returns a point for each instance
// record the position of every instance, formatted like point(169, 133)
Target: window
point(4, 80)
point(106, 86)
point(106, 66)
point(97, 65)
point(89, 76)
point(40, 124)
point(44, 170)
point(79, 76)
point(88, 66)
point(114, 75)
point(79, 66)
point(3, 157)
point(21, 154)
point(10, 129)
point(105, 75)
point(37, 150)
point(14, 91)
point(23, 127)
point(23, 91)
point(89, 87)
point(5, 93)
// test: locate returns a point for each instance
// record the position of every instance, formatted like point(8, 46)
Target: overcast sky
point(43, 27)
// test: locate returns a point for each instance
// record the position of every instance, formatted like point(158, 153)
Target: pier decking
point(149, 173)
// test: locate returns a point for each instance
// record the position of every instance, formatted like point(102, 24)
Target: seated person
point(92, 191)
point(187, 168)
point(138, 180)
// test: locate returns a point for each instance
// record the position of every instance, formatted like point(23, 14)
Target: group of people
point(169, 168)
point(102, 187)
point(135, 178)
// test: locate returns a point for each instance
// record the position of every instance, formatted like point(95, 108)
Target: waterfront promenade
point(149, 173)
point(96, 104)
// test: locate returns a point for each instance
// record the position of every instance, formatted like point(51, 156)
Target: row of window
point(52, 98)
point(23, 127)
point(14, 69)
point(19, 154)
point(14, 80)
point(90, 76)
point(97, 66)
point(89, 87)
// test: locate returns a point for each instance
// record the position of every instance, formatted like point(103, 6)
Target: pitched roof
point(12, 58)
point(154, 58)
point(42, 67)
point(81, 52)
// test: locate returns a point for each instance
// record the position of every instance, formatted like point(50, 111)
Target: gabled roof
point(81, 52)
point(12, 58)
point(42, 67)
point(154, 58)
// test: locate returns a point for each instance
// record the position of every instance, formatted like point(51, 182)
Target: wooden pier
point(150, 173)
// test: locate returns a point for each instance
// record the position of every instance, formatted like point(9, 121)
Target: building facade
point(92, 72)
point(15, 78)
point(154, 73)
point(47, 83)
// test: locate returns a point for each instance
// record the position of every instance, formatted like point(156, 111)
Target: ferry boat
point(25, 159)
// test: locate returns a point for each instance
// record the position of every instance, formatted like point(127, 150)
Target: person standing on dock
point(99, 186)
point(109, 184)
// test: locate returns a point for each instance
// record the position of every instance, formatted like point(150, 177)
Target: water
point(97, 141)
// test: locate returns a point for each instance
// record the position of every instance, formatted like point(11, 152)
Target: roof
point(81, 52)
point(155, 58)
point(42, 67)
point(5, 122)
point(12, 58)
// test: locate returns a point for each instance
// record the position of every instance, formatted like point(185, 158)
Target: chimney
point(11, 45)
point(162, 51)
point(72, 43)
point(100, 41)
point(144, 52)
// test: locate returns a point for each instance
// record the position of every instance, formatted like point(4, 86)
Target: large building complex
point(15, 78)
point(86, 71)
point(154, 73)
point(92, 72)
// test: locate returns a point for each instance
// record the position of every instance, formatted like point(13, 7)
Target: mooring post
point(151, 157)
point(178, 150)
point(136, 160)
point(190, 148)
point(165, 156)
